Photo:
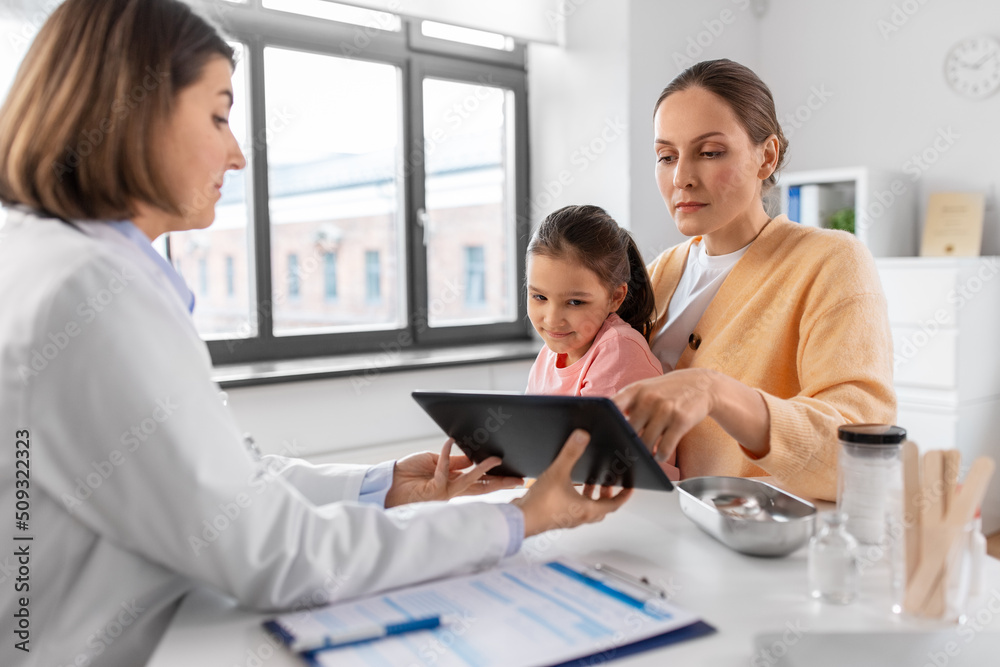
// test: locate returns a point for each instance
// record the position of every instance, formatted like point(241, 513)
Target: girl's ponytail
point(639, 306)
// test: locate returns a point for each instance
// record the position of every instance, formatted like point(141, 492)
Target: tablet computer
point(527, 432)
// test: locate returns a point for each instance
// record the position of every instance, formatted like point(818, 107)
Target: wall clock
point(972, 67)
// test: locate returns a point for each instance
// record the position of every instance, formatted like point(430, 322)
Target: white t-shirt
point(702, 278)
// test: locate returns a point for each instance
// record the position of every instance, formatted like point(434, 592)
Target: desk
point(739, 595)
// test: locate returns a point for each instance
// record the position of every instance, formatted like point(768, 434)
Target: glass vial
point(977, 557)
point(833, 561)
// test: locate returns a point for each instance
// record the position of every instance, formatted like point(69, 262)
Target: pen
point(322, 641)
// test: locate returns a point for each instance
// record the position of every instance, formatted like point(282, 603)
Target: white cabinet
point(945, 318)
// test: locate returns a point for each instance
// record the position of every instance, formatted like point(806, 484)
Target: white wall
point(889, 97)
point(878, 95)
point(578, 113)
point(320, 417)
point(664, 39)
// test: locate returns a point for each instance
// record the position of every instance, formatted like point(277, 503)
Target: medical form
point(520, 614)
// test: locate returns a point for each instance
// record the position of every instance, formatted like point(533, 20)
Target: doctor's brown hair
point(744, 93)
point(588, 235)
point(99, 80)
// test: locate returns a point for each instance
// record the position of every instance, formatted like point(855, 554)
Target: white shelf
point(885, 209)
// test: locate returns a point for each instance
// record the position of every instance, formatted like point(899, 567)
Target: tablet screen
point(527, 432)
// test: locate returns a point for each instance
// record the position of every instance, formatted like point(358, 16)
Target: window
point(293, 276)
point(475, 277)
point(330, 276)
point(230, 287)
point(468, 178)
point(386, 178)
point(376, 154)
point(202, 276)
point(373, 277)
point(18, 27)
point(335, 188)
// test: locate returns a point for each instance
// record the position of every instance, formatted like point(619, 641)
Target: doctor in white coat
point(127, 479)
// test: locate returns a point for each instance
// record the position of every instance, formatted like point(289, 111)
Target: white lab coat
point(140, 486)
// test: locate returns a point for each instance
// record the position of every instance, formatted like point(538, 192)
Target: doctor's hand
point(426, 476)
point(553, 502)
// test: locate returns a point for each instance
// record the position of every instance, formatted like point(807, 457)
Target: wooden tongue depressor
point(930, 569)
point(911, 506)
point(949, 478)
point(932, 528)
point(952, 463)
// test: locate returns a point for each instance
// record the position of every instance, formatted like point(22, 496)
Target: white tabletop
point(741, 596)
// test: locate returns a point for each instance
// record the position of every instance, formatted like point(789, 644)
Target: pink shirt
point(618, 357)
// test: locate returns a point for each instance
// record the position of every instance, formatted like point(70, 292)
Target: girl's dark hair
point(98, 81)
point(589, 235)
point(744, 92)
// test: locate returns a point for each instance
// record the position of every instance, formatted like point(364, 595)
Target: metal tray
point(748, 516)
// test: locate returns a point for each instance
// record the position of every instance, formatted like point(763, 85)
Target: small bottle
point(833, 561)
point(977, 556)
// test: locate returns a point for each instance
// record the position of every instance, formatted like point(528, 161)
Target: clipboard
point(555, 613)
point(527, 431)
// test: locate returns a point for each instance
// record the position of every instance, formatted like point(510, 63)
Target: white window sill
point(242, 375)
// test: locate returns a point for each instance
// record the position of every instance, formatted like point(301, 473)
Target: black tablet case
point(527, 432)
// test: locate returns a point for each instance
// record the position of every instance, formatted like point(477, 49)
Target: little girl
point(590, 300)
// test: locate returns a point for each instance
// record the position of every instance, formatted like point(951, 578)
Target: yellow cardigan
point(802, 319)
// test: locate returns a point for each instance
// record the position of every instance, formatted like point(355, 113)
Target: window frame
point(258, 28)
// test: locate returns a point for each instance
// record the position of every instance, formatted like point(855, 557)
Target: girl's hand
point(426, 476)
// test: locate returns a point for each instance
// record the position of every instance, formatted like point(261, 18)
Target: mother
point(778, 333)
